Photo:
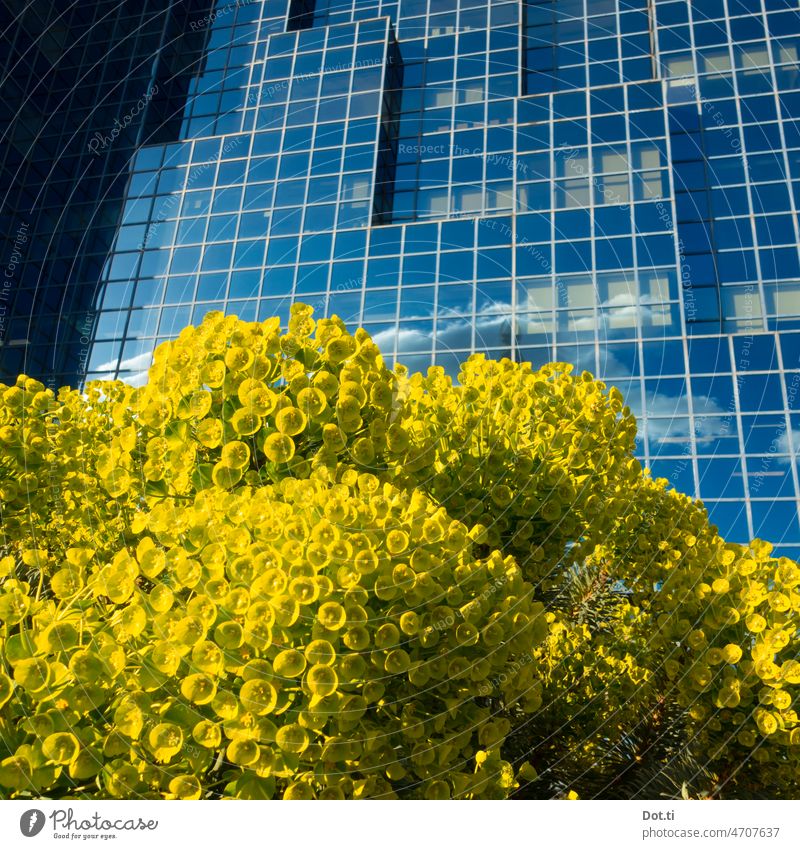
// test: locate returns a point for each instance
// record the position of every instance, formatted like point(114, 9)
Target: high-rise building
point(612, 183)
point(83, 85)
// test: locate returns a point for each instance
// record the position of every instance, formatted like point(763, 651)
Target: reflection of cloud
point(412, 316)
point(629, 298)
point(623, 299)
point(674, 424)
point(456, 333)
point(668, 430)
point(586, 323)
point(408, 340)
point(582, 357)
point(494, 308)
point(631, 314)
point(139, 365)
point(138, 379)
point(709, 427)
point(491, 331)
point(613, 367)
point(784, 446)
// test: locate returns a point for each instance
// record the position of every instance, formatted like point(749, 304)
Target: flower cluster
point(725, 618)
point(281, 569)
point(306, 630)
point(539, 458)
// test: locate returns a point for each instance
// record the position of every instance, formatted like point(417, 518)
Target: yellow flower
point(332, 615)
point(292, 738)
point(290, 421)
point(245, 422)
point(338, 350)
point(235, 454)
point(258, 697)
point(238, 359)
point(790, 671)
point(311, 401)
point(61, 747)
point(289, 663)
point(166, 740)
point(732, 653)
point(209, 433)
point(396, 542)
point(225, 476)
point(321, 680)
point(279, 448)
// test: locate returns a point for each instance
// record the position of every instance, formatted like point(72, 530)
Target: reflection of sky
point(491, 331)
point(137, 365)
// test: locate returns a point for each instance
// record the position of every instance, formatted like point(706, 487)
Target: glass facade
point(613, 184)
point(83, 84)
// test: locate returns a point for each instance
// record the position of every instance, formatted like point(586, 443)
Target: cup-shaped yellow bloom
point(289, 663)
point(213, 373)
point(243, 752)
point(16, 773)
point(331, 615)
point(64, 584)
point(338, 350)
point(61, 747)
point(721, 585)
point(320, 652)
point(396, 541)
point(207, 734)
point(199, 688)
point(287, 610)
point(781, 699)
point(363, 450)
point(732, 653)
point(279, 448)
point(292, 738)
point(299, 790)
point(200, 404)
point(185, 787)
point(790, 672)
point(166, 657)
point(387, 636)
point(165, 740)
point(356, 638)
point(225, 705)
point(246, 422)
point(333, 437)
point(767, 723)
point(312, 401)
point(321, 680)
point(290, 421)
point(229, 635)
point(235, 454)
point(259, 697)
point(397, 662)
point(209, 432)
point(238, 359)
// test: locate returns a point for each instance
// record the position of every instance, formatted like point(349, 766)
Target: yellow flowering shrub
point(302, 632)
point(539, 458)
point(282, 569)
point(724, 619)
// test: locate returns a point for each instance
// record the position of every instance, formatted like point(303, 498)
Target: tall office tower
point(83, 84)
point(612, 183)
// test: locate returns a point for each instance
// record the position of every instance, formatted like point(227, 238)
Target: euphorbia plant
point(282, 569)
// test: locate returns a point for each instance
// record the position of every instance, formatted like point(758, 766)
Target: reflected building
point(612, 183)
